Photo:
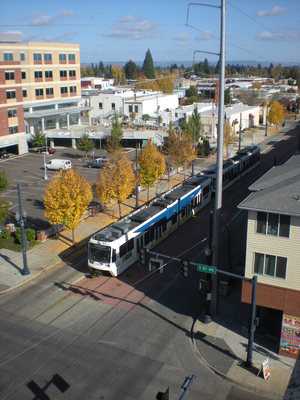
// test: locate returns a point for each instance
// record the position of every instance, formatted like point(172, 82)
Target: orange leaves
point(152, 164)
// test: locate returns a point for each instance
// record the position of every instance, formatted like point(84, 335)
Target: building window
point(13, 129)
point(273, 224)
point(38, 74)
point(63, 73)
point(47, 57)
point(130, 108)
point(11, 94)
point(9, 76)
point(37, 57)
point(73, 89)
point(39, 92)
point(48, 74)
point(62, 58)
point(49, 91)
point(100, 106)
point(72, 73)
point(266, 264)
point(12, 113)
point(8, 57)
point(71, 57)
point(113, 106)
point(63, 90)
point(23, 75)
point(136, 109)
point(22, 56)
point(24, 93)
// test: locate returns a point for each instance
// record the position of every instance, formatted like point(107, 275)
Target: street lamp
point(20, 217)
point(45, 168)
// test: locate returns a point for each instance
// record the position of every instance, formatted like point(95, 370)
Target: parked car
point(97, 162)
point(4, 154)
point(43, 149)
point(57, 164)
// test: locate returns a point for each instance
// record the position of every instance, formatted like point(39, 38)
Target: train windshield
point(99, 253)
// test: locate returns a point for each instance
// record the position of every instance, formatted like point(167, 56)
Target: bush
point(5, 234)
point(30, 235)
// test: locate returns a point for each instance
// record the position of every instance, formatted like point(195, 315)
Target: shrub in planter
point(30, 235)
point(5, 234)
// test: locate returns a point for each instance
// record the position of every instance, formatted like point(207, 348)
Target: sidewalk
point(224, 352)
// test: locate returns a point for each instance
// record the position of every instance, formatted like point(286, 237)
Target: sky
point(119, 30)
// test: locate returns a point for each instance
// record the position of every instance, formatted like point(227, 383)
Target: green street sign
point(209, 269)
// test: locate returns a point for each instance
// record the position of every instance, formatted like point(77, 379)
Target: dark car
point(43, 149)
point(97, 162)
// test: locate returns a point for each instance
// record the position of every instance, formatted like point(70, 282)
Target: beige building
point(273, 253)
point(41, 79)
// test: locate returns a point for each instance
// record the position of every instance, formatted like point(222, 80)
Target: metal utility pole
point(45, 168)
point(252, 324)
point(240, 132)
point(219, 178)
point(20, 218)
point(266, 127)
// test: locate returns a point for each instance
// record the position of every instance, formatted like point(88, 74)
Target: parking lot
point(28, 170)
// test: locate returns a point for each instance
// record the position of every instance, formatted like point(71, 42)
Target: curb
point(249, 388)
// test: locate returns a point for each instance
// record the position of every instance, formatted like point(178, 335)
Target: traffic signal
point(185, 269)
point(163, 395)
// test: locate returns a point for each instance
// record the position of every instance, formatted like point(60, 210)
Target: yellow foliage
point(116, 180)
point(166, 84)
point(118, 74)
point(180, 149)
point(276, 113)
point(66, 198)
point(152, 164)
point(228, 136)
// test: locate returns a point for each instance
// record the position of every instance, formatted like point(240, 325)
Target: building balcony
point(63, 78)
point(38, 79)
point(39, 97)
point(64, 94)
point(48, 79)
point(35, 62)
point(49, 96)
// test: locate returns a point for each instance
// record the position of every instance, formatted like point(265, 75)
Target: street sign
point(209, 269)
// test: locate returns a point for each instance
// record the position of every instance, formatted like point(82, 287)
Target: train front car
point(101, 253)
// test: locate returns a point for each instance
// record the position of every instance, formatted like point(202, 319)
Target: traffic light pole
point(219, 177)
point(25, 270)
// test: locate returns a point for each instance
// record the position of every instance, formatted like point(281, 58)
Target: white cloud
point(45, 19)
point(205, 35)
point(275, 10)
point(182, 37)
point(11, 36)
point(283, 36)
point(130, 27)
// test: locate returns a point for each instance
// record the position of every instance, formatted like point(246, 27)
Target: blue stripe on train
point(169, 212)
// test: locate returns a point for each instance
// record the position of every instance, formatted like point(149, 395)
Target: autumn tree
point(276, 113)
point(152, 165)
point(118, 74)
point(228, 137)
point(166, 84)
point(180, 149)
point(66, 198)
point(116, 134)
point(116, 180)
point(85, 144)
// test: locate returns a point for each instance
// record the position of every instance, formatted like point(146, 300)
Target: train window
point(205, 191)
point(174, 219)
point(147, 237)
point(164, 226)
point(130, 244)
point(126, 247)
point(114, 256)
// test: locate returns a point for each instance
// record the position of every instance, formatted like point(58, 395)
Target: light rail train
point(118, 246)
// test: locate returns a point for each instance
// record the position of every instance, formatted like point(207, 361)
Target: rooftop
point(277, 191)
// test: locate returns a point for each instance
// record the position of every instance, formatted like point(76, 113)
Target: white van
point(57, 164)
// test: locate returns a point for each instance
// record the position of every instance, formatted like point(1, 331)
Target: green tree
point(191, 92)
point(131, 70)
point(67, 196)
point(148, 66)
point(193, 127)
point(85, 144)
point(152, 165)
point(227, 96)
point(4, 205)
point(114, 142)
point(38, 139)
